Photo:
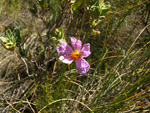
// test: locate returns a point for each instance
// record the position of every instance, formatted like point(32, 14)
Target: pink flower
point(77, 55)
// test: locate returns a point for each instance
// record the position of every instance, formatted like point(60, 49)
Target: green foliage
point(22, 52)
point(100, 10)
point(7, 43)
point(56, 35)
point(17, 36)
point(12, 40)
point(33, 10)
point(77, 4)
point(118, 79)
point(92, 2)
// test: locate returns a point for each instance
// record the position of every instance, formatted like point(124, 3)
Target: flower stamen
point(75, 54)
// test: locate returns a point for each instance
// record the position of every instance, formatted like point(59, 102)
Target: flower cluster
point(76, 55)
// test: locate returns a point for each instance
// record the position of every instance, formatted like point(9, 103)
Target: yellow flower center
point(75, 54)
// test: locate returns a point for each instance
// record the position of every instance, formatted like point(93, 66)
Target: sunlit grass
point(118, 79)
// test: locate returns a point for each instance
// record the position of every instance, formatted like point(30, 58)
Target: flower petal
point(82, 66)
point(66, 59)
point(85, 51)
point(64, 48)
point(77, 44)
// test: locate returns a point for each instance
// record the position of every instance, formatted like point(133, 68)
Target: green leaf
point(57, 33)
point(92, 2)
point(33, 10)
point(106, 5)
point(39, 49)
point(60, 32)
point(53, 39)
point(11, 27)
point(41, 3)
point(95, 12)
point(76, 4)
point(13, 39)
point(7, 43)
point(105, 8)
point(4, 40)
point(22, 52)
point(17, 36)
point(9, 33)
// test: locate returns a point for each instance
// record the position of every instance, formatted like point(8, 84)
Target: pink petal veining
point(77, 44)
point(64, 48)
point(85, 51)
point(66, 59)
point(82, 66)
